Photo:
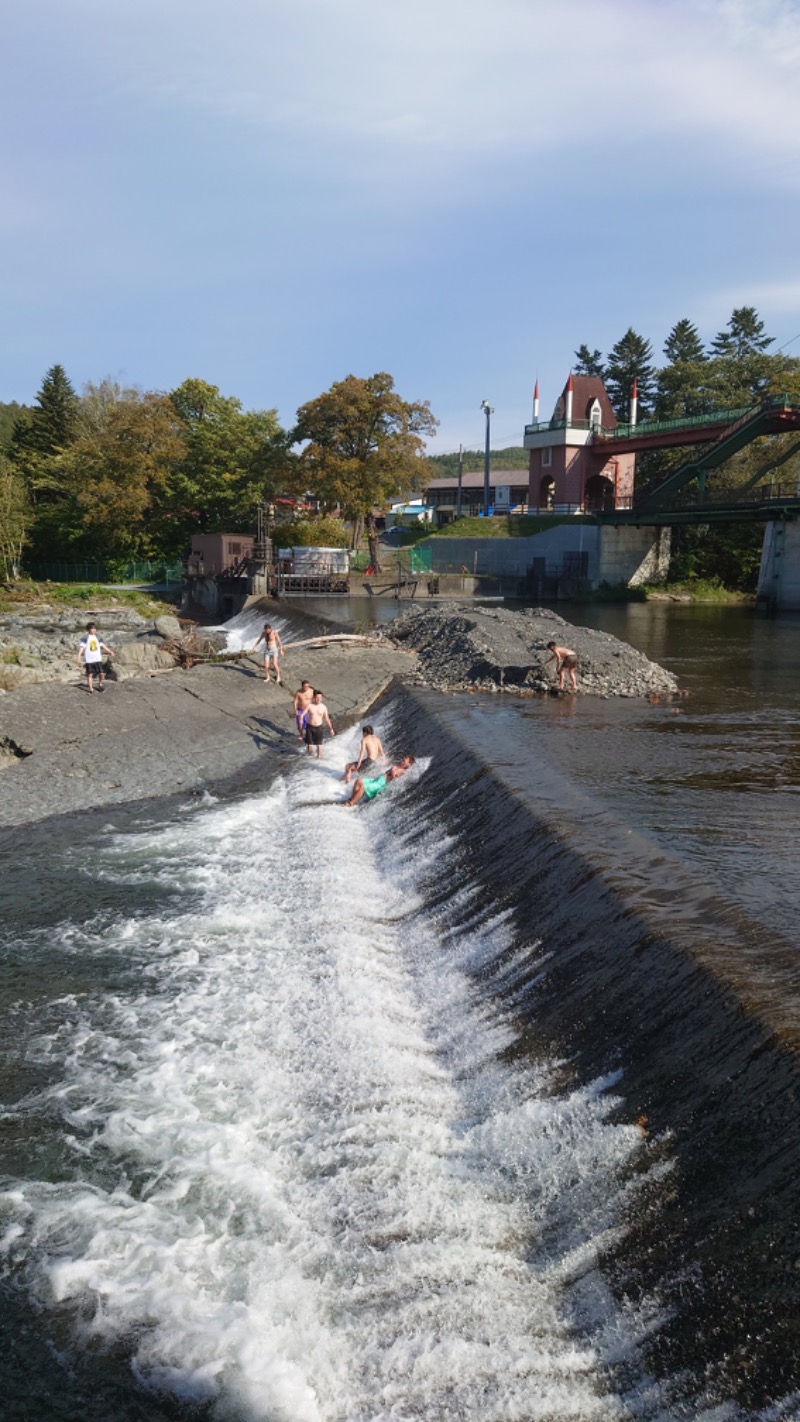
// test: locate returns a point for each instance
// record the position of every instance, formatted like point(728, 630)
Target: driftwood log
point(189, 652)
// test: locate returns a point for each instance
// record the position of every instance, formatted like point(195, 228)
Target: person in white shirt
point(90, 653)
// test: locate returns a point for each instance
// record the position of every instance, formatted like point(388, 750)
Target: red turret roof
point(585, 390)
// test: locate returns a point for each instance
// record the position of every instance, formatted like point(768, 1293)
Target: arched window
point(595, 415)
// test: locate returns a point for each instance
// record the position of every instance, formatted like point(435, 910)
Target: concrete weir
point(644, 969)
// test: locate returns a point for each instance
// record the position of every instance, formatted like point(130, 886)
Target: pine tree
point(744, 336)
point(589, 362)
point(683, 343)
point(631, 358)
point(52, 422)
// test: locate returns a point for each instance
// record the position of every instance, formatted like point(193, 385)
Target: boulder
point(168, 626)
point(143, 656)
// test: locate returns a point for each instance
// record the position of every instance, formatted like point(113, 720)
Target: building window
point(547, 458)
point(595, 417)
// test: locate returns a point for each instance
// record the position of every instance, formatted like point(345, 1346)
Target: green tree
point(631, 358)
point(15, 513)
point(363, 444)
point(233, 460)
point(51, 423)
point(10, 414)
point(744, 335)
point(683, 345)
point(589, 362)
point(114, 479)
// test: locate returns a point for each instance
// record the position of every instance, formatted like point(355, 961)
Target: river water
point(268, 1147)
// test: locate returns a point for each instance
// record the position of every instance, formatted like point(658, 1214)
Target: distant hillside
point(513, 458)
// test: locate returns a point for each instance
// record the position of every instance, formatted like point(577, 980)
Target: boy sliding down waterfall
point(373, 785)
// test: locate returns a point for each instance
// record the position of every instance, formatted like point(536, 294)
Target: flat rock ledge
point(464, 647)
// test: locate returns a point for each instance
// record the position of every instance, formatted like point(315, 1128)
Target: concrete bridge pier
point(779, 575)
point(632, 555)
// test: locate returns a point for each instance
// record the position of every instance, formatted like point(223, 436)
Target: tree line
point(118, 473)
point(735, 369)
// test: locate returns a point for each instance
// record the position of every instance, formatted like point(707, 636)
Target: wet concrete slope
point(649, 971)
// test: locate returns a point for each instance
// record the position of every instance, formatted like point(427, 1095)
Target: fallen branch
point(323, 639)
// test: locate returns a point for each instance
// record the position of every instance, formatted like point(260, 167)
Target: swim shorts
point(570, 663)
point(301, 718)
point(373, 786)
point(366, 767)
point(313, 735)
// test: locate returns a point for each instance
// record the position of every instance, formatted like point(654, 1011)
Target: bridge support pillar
point(779, 576)
point(631, 555)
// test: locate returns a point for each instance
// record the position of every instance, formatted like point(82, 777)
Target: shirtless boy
point(316, 718)
point(368, 756)
point(273, 648)
point(371, 786)
point(302, 700)
point(566, 661)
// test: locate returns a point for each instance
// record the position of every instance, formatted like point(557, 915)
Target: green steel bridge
point(689, 493)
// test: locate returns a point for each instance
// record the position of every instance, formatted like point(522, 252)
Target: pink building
point(216, 553)
point(570, 471)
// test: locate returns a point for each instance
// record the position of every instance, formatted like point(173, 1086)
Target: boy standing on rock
point(566, 661)
point(90, 652)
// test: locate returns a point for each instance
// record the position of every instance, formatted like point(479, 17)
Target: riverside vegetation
point(117, 473)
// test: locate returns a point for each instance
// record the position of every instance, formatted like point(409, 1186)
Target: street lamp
point(488, 411)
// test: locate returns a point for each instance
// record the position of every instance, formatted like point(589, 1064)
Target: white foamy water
point(308, 1184)
point(243, 630)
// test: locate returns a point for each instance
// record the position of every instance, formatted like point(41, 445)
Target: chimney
point(634, 402)
point(536, 402)
point(568, 401)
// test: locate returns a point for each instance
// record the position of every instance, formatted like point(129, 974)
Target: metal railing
point(89, 571)
point(655, 427)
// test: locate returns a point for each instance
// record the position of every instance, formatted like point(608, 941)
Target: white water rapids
point(309, 1184)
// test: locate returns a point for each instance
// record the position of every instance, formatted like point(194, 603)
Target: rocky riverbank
point(463, 647)
point(40, 645)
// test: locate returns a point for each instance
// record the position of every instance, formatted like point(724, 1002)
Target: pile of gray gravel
point(461, 646)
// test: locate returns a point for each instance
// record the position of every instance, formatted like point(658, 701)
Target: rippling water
point(268, 1148)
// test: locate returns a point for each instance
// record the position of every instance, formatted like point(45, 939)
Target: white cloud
point(464, 79)
point(771, 298)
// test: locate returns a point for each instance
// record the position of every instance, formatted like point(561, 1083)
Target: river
point(276, 1142)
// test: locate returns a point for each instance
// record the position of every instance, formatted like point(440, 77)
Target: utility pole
point(487, 457)
point(460, 478)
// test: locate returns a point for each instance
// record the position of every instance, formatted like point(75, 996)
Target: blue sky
point(271, 194)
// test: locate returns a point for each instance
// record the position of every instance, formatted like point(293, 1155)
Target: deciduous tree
point(233, 460)
point(15, 513)
point(117, 475)
point(363, 445)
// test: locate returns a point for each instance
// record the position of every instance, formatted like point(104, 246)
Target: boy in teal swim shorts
point(372, 785)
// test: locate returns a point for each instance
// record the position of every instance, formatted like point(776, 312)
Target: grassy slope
point(28, 596)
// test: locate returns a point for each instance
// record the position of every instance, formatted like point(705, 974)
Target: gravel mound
point(462, 647)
